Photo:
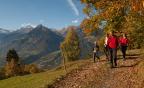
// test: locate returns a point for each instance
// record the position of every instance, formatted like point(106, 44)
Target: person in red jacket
point(112, 45)
point(123, 41)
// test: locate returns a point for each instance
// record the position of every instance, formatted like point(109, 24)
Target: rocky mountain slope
point(31, 43)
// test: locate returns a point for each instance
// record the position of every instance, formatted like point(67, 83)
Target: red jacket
point(112, 42)
point(123, 41)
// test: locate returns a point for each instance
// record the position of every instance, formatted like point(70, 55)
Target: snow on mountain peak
point(4, 30)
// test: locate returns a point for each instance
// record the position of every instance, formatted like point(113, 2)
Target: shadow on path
point(129, 57)
point(136, 62)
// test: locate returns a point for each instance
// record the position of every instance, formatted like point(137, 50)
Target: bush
point(30, 69)
point(2, 73)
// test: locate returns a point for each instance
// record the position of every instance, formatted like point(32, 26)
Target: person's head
point(111, 33)
point(107, 34)
point(124, 35)
point(95, 42)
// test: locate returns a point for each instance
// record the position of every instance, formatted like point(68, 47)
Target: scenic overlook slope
point(31, 43)
point(40, 45)
point(86, 74)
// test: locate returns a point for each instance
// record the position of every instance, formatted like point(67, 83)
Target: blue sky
point(52, 13)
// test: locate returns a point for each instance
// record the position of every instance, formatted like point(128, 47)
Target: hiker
point(96, 51)
point(106, 47)
point(112, 45)
point(123, 42)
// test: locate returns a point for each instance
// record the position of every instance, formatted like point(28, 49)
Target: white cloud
point(75, 21)
point(73, 6)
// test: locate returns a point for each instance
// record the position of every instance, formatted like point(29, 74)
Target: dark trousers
point(113, 56)
point(95, 55)
point(123, 50)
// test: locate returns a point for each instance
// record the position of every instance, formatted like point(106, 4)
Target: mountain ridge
point(34, 44)
point(31, 45)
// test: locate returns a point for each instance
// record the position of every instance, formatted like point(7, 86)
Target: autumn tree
point(70, 48)
point(117, 15)
point(12, 67)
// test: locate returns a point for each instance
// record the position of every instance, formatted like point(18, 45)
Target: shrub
point(30, 69)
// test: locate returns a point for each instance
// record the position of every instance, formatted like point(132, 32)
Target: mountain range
point(39, 45)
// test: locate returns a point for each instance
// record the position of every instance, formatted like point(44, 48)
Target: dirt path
point(125, 76)
point(99, 75)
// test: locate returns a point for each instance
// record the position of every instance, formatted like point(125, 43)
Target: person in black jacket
point(96, 51)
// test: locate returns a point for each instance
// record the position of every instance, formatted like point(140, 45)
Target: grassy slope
point(39, 80)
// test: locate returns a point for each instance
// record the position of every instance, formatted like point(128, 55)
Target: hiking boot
point(115, 64)
point(98, 60)
point(112, 66)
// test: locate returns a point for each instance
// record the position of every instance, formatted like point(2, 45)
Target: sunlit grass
point(42, 79)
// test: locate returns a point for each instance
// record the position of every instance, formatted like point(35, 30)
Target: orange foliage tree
point(114, 12)
point(119, 15)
